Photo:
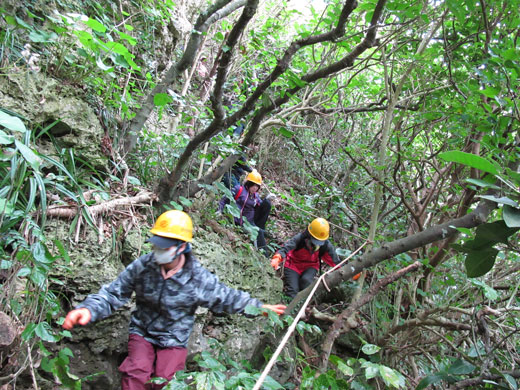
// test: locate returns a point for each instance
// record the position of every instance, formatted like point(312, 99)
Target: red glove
point(78, 316)
point(276, 260)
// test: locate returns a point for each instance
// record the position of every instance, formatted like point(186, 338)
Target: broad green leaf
point(11, 122)
point(430, 380)
point(25, 271)
point(270, 384)
point(391, 377)
point(286, 132)
point(130, 39)
point(490, 293)
point(202, 381)
point(461, 367)
point(344, 369)
point(162, 99)
point(371, 369)
point(370, 349)
point(32, 159)
point(6, 264)
point(502, 200)
point(38, 276)
point(480, 262)
point(490, 92)
point(488, 235)
point(41, 253)
point(95, 25)
point(101, 65)
point(511, 216)
point(28, 332)
point(253, 310)
point(43, 331)
point(6, 139)
point(469, 160)
point(482, 183)
point(511, 381)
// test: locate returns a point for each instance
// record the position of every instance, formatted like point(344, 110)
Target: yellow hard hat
point(174, 224)
point(319, 230)
point(254, 177)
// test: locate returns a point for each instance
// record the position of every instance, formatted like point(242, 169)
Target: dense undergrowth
point(451, 142)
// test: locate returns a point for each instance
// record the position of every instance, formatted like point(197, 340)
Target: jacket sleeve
point(290, 245)
point(114, 295)
point(220, 298)
point(330, 256)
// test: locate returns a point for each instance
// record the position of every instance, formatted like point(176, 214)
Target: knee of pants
point(138, 367)
point(169, 361)
point(306, 280)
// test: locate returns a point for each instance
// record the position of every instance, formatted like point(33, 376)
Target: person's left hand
point(278, 309)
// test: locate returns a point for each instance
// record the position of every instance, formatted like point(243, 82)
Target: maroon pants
point(146, 361)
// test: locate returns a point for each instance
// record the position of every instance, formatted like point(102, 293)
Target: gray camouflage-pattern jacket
point(165, 308)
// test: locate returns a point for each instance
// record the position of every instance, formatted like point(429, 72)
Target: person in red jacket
point(303, 254)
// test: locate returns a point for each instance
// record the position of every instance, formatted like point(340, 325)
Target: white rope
point(289, 332)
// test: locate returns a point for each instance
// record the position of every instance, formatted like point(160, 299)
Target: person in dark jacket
point(169, 284)
point(253, 208)
point(232, 177)
point(303, 254)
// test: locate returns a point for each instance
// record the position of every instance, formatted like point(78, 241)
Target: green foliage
point(27, 254)
point(450, 375)
point(218, 371)
point(357, 372)
point(480, 252)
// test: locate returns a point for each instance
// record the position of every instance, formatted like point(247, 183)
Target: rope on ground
point(291, 329)
point(314, 215)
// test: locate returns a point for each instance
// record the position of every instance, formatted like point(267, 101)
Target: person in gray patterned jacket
point(169, 284)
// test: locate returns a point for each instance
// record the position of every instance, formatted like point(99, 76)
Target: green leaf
point(253, 310)
point(95, 25)
point(488, 235)
point(162, 99)
point(43, 331)
point(480, 262)
point(11, 122)
point(130, 39)
point(470, 160)
point(342, 366)
point(28, 332)
point(430, 380)
point(482, 183)
point(269, 383)
point(32, 159)
point(490, 92)
point(370, 349)
point(286, 132)
point(502, 200)
point(6, 139)
point(510, 381)
point(41, 253)
point(461, 367)
point(511, 216)
point(391, 377)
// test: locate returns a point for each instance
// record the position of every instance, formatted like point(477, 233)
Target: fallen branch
point(143, 198)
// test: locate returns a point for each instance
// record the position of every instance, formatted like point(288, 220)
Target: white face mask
point(163, 256)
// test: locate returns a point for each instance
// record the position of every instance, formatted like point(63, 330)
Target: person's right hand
point(77, 316)
point(276, 260)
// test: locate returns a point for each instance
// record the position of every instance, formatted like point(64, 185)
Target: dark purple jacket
point(245, 202)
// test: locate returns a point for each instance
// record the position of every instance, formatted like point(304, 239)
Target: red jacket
point(299, 258)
